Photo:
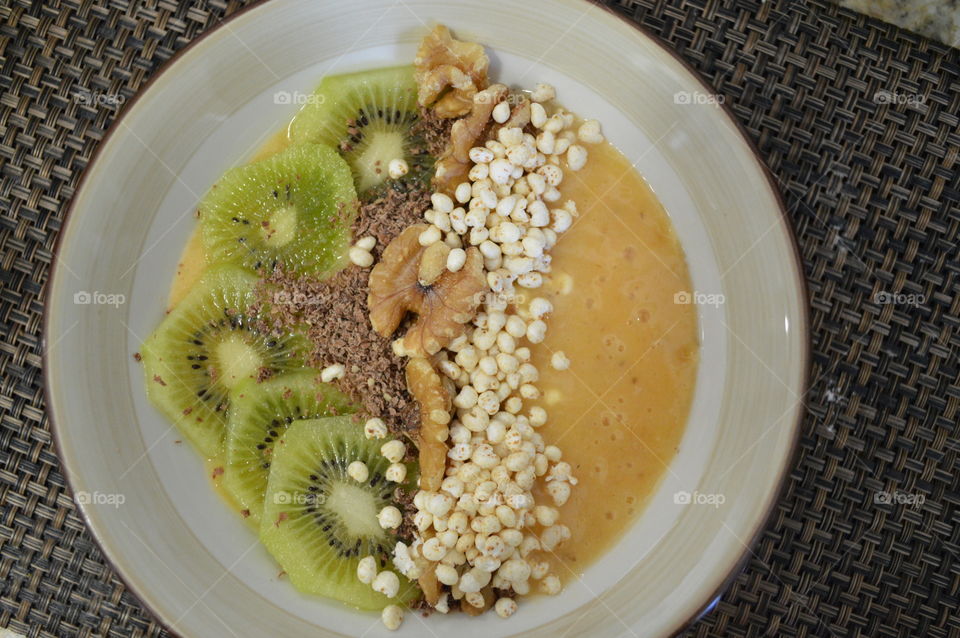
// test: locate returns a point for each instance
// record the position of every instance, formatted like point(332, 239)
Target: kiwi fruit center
point(379, 143)
point(238, 360)
point(345, 511)
point(281, 227)
point(356, 507)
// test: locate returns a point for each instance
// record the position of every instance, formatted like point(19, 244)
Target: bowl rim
point(801, 288)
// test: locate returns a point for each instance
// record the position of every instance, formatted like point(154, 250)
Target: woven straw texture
point(855, 118)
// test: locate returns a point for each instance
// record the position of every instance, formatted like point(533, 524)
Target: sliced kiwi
point(369, 116)
point(207, 345)
point(259, 415)
point(318, 522)
point(294, 208)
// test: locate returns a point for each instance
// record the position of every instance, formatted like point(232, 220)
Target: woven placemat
point(855, 118)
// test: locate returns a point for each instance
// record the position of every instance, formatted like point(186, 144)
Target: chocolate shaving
point(434, 130)
point(333, 312)
point(403, 500)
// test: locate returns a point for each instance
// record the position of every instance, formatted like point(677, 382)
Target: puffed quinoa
point(433, 549)
point(500, 170)
point(360, 257)
point(456, 259)
point(375, 428)
point(513, 405)
point(546, 515)
point(453, 486)
point(366, 243)
point(396, 472)
point(475, 599)
point(386, 583)
point(430, 236)
point(559, 491)
point(358, 471)
point(392, 617)
point(394, 451)
point(576, 157)
point(367, 569)
point(390, 517)
point(530, 280)
point(460, 452)
point(589, 132)
point(505, 607)
point(447, 574)
point(562, 472)
point(467, 398)
point(515, 570)
point(543, 93)
point(559, 360)
point(539, 569)
point(480, 155)
point(553, 536)
point(536, 331)
point(528, 545)
point(562, 220)
point(397, 168)
point(538, 416)
point(550, 585)
point(469, 583)
point(516, 327)
point(501, 112)
point(439, 504)
point(332, 372)
point(422, 520)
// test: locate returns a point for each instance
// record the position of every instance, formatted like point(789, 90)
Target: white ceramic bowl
point(147, 500)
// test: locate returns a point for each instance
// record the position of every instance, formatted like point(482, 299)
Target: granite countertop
point(937, 19)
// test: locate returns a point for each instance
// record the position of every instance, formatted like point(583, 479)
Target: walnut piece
point(427, 388)
point(470, 610)
point(443, 307)
point(429, 584)
point(449, 72)
point(452, 167)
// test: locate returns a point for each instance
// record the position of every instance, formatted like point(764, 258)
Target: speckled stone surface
point(937, 19)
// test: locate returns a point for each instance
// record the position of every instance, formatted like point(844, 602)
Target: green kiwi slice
point(318, 522)
point(209, 343)
point(369, 116)
point(294, 208)
point(259, 415)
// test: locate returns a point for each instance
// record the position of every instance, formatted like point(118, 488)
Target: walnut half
point(443, 306)
point(449, 72)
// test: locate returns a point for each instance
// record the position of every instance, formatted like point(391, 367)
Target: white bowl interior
point(173, 537)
